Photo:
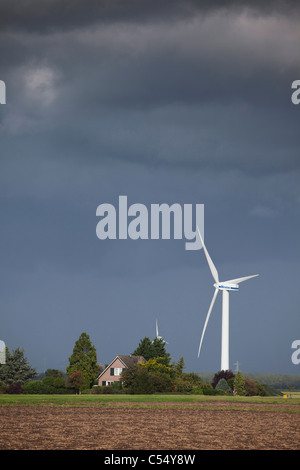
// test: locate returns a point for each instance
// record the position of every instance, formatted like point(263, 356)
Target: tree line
point(18, 376)
point(157, 375)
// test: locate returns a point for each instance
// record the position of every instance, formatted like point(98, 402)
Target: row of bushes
point(113, 389)
point(156, 377)
point(147, 379)
point(48, 385)
point(152, 377)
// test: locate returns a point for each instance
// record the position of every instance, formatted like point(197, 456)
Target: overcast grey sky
point(162, 101)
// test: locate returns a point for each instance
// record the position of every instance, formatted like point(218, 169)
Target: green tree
point(253, 387)
point(152, 349)
point(144, 349)
point(161, 383)
point(222, 374)
point(53, 373)
point(84, 359)
point(239, 384)
point(148, 378)
point(223, 385)
point(17, 369)
point(189, 382)
point(136, 380)
point(158, 365)
point(179, 366)
point(159, 350)
point(77, 381)
point(261, 391)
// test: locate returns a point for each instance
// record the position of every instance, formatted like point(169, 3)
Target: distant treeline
point(277, 381)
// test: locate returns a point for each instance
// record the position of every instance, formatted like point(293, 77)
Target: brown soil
point(169, 427)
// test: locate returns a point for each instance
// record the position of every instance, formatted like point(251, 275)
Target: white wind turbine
point(225, 287)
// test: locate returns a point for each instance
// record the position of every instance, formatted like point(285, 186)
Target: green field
point(138, 400)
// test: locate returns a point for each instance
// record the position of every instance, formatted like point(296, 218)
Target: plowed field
point(150, 427)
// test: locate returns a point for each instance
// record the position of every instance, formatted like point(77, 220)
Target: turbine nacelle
point(232, 284)
point(226, 286)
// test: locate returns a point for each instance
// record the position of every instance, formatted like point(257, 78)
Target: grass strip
point(144, 400)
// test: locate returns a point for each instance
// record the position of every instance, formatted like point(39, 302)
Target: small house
point(112, 373)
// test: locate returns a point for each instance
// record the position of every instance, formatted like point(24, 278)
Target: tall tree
point(144, 349)
point(84, 359)
point(239, 384)
point(159, 350)
point(179, 366)
point(152, 349)
point(17, 369)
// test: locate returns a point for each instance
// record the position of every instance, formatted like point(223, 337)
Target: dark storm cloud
point(52, 15)
point(163, 93)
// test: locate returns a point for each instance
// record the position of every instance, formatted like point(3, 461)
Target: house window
point(116, 370)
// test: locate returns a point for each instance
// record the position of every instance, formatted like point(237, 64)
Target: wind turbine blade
point(207, 318)
point(241, 279)
point(156, 329)
point(211, 265)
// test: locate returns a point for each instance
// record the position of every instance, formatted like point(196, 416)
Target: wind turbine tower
point(225, 287)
